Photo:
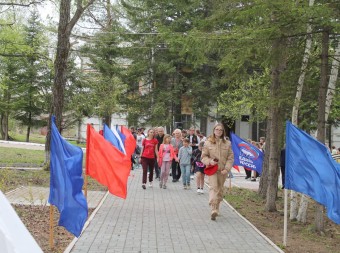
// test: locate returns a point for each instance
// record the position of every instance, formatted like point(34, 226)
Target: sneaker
point(213, 215)
point(201, 191)
point(188, 186)
point(143, 186)
point(164, 186)
point(198, 191)
point(253, 179)
point(184, 187)
point(150, 184)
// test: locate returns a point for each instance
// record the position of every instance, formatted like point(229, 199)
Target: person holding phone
point(217, 150)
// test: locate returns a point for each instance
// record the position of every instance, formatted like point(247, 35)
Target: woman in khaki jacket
point(217, 150)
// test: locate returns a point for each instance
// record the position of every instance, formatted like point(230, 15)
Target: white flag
point(14, 236)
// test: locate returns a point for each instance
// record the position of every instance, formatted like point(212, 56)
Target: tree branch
point(21, 5)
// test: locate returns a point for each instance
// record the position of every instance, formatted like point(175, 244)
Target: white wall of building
point(97, 123)
point(336, 137)
point(243, 129)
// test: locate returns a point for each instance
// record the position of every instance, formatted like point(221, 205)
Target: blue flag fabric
point(311, 170)
point(122, 136)
point(66, 183)
point(246, 154)
point(114, 138)
point(109, 136)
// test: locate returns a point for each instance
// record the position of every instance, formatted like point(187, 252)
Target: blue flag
point(246, 154)
point(122, 136)
point(311, 170)
point(114, 138)
point(66, 183)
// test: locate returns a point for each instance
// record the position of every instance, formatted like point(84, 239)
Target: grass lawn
point(34, 138)
point(301, 237)
point(25, 157)
point(38, 138)
point(11, 179)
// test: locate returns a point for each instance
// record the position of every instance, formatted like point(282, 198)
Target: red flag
point(236, 168)
point(106, 163)
point(130, 141)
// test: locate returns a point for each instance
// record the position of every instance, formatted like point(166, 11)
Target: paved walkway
point(167, 220)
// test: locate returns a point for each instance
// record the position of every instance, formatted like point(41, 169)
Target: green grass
point(34, 138)
point(11, 179)
point(38, 138)
point(12, 156)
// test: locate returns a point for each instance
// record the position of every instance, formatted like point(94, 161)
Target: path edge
point(71, 245)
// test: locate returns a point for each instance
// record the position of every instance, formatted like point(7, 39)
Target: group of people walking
point(183, 155)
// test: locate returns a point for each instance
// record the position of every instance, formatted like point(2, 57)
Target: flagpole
point(51, 226)
point(87, 158)
point(285, 219)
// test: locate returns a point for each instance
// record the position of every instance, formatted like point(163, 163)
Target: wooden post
point(51, 226)
point(85, 186)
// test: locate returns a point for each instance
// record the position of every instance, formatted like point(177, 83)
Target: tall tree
point(35, 75)
point(66, 24)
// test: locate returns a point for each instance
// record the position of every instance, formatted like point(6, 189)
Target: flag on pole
point(310, 169)
point(113, 137)
point(121, 135)
point(105, 163)
point(66, 183)
point(130, 141)
point(246, 154)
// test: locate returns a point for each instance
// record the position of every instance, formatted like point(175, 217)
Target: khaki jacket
point(220, 150)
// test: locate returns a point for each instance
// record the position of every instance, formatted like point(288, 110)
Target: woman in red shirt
point(148, 152)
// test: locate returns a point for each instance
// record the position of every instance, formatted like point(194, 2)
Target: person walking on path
point(159, 137)
point(184, 157)
point(217, 150)
point(165, 156)
point(148, 152)
point(177, 143)
point(199, 167)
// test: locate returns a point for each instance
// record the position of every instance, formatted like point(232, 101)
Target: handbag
point(211, 169)
point(200, 165)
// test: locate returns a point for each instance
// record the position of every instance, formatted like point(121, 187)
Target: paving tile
point(171, 220)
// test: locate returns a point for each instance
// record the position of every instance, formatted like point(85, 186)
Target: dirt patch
point(301, 237)
point(36, 219)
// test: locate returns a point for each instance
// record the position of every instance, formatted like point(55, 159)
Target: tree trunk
point(28, 133)
point(276, 121)
point(65, 27)
point(107, 120)
point(263, 186)
point(5, 116)
point(332, 80)
point(294, 214)
point(4, 126)
point(319, 220)
point(302, 214)
point(79, 131)
point(29, 126)
point(1, 128)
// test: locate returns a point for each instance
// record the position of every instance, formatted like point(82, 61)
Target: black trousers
point(157, 169)
point(283, 173)
point(175, 170)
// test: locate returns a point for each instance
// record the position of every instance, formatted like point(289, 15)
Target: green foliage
point(24, 73)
